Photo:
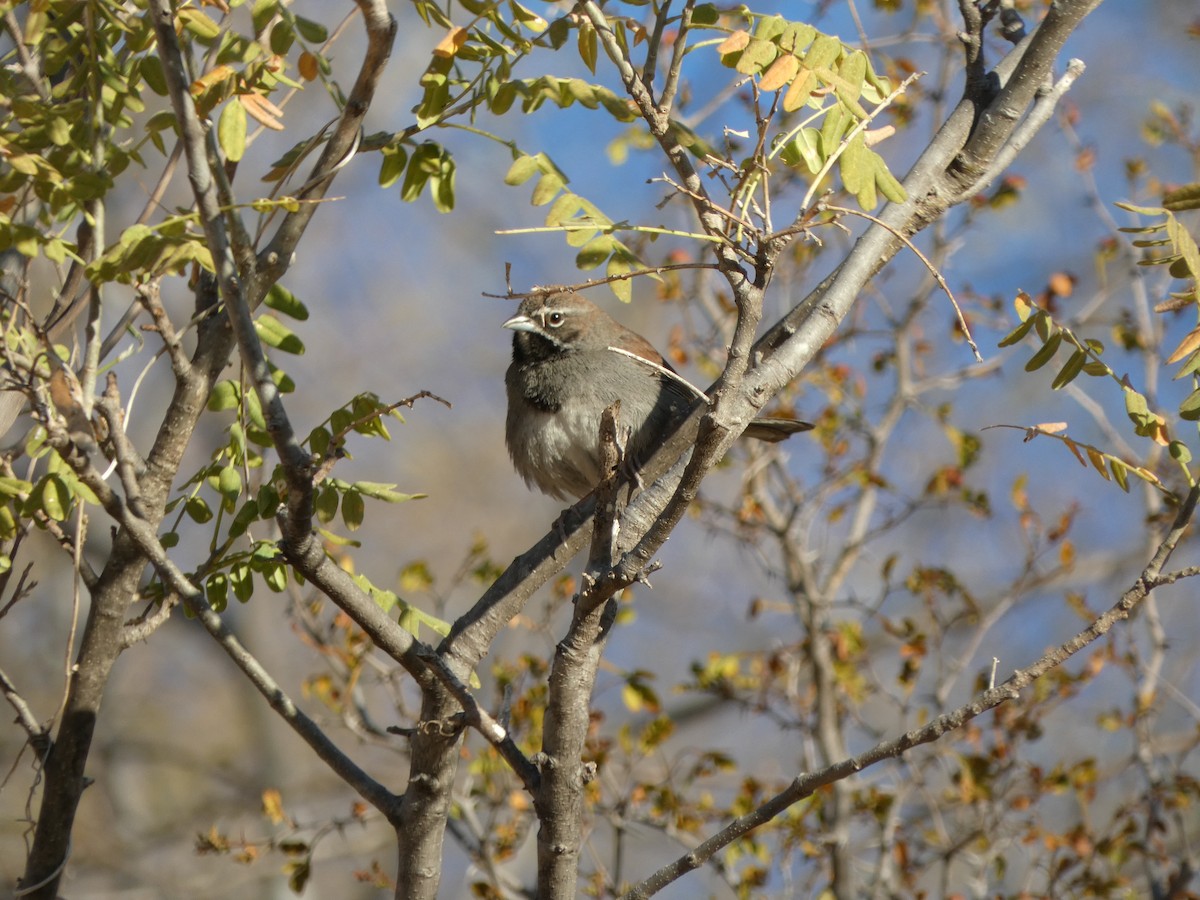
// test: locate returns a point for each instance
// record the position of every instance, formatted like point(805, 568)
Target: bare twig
point(805, 785)
point(933, 270)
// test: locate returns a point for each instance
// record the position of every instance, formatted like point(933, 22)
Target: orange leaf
point(262, 110)
point(307, 64)
point(735, 42)
point(213, 76)
point(1061, 284)
point(782, 71)
point(801, 89)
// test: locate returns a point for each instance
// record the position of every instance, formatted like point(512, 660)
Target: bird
point(571, 361)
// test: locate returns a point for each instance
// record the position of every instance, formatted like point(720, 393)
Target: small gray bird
point(563, 376)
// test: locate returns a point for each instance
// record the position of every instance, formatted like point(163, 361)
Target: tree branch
point(805, 785)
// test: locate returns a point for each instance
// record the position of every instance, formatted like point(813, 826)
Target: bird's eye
point(555, 319)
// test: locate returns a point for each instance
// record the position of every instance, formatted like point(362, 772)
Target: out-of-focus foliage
point(870, 584)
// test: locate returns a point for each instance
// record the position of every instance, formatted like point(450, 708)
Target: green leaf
point(59, 131)
point(823, 53)
point(262, 12)
point(757, 56)
point(547, 189)
point(247, 514)
point(594, 252)
point(804, 148)
point(229, 483)
point(195, 21)
point(242, 581)
point(275, 334)
point(1182, 198)
point(151, 71)
point(1070, 370)
point(198, 510)
point(563, 210)
point(383, 492)
point(1045, 352)
point(851, 75)
point(391, 167)
point(353, 510)
point(1119, 470)
point(1179, 451)
point(887, 183)
point(54, 496)
point(1016, 334)
point(313, 32)
point(268, 501)
point(1141, 211)
point(796, 36)
point(1189, 409)
point(1190, 367)
point(35, 442)
point(284, 301)
point(854, 165)
point(417, 174)
point(231, 130)
point(326, 504)
point(705, 14)
point(14, 487)
point(1185, 246)
point(225, 395)
point(837, 122)
point(770, 27)
point(522, 169)
point(502, 100)
point(1136, 406)
point(276, 577)
point(216, 590)
point(619, 264)
point(559, 31)
point(588, 45)
point(282, 37)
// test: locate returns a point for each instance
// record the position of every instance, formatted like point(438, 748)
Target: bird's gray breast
point(554, 409)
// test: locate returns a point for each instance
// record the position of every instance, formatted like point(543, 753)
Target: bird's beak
point(521, 323)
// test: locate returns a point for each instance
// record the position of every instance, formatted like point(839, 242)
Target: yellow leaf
point(631, 697)
point(1190, 343)
point(272, 805)
point(450, 44)
point(1024, 305)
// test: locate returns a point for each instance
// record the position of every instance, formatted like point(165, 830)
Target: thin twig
point(962, 322)
point(594, 282)
point(663, 371)
point(806, 785)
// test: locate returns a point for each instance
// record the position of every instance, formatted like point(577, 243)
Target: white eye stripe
point(556, 318)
